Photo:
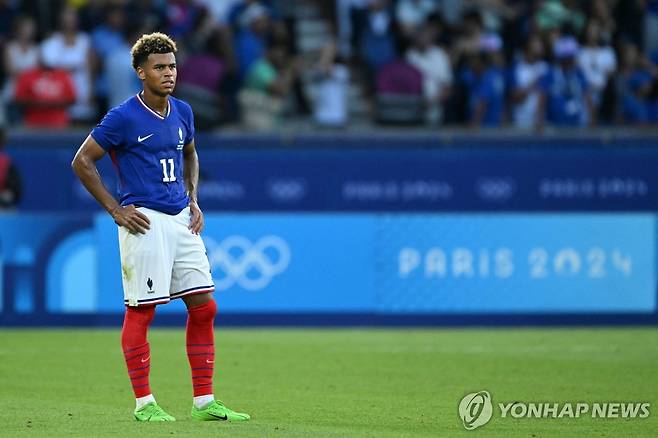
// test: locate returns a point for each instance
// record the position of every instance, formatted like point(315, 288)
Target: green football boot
point(216, 411)
point(152, 412)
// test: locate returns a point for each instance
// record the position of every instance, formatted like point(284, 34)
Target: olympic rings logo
point(236, 260)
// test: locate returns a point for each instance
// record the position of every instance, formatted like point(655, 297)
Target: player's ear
point(140, 73)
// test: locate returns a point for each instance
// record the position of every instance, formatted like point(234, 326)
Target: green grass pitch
point(330, 383)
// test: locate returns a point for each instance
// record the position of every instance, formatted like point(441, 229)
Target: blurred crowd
point(253, 63)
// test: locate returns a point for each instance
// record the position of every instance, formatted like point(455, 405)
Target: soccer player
point(150, 138)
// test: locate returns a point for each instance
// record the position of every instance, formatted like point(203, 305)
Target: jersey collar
point(139, 98)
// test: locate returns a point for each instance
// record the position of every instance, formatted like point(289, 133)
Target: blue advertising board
point(516, 263)
point(465, 266)
point(471, 178)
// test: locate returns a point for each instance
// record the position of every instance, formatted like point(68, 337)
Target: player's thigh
point(146, 262)
point(191, 270)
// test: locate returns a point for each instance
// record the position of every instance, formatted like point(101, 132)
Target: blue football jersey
point(147, 151)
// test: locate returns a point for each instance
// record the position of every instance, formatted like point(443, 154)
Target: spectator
point(377, 45)
point(107, 38)
point(109, 34)
point(484, 80)
point(434, 64)
point(10, 179)
point(564, 89)
point(331, 88)
point(200, 78)
point(598, 62)
point(634, 86)
point(251, 39)
point(121, 81)
point(527, 74)
point(267, 85)
point(45, 93)
point(21, 54)
point(70, 49)
point(468, 41)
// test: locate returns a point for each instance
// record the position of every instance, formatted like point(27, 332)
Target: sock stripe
point(202, 368)
point(135, 356)
point(139, 369)
point(129, 350)
point(209, 353)
point(199, 385)
point(202, 377)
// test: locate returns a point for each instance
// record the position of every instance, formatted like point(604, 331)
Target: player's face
point(159, 73)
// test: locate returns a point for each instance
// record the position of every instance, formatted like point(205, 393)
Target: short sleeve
point(109, 132)
point(190, 127)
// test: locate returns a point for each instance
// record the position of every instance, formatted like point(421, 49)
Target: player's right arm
point(84, 166)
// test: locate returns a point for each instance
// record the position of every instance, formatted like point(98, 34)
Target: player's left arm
point(191, 176)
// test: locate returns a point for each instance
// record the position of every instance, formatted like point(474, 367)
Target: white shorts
point(165, 263)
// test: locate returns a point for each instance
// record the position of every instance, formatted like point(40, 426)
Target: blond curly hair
point(156, 42)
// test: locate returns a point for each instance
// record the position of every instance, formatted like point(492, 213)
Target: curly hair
point(155, 42)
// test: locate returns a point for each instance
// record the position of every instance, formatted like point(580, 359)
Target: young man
point(150, 138)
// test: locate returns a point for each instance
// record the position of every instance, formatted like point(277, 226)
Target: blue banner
point(505, 263)
point(384, 264)
point(403, 179)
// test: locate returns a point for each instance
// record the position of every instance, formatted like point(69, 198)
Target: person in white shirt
point(527, 74)
point(332, 80)
point(71, 50)
point(434, 64)
point(598, 62)
point(21, 53)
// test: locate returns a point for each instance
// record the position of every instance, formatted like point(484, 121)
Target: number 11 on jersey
point(171, 177)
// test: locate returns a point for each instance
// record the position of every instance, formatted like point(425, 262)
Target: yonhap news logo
point(251, 265)
point(476, 409)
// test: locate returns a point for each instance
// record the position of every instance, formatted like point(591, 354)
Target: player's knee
point(135, 325)
point(205, 312)
point(139, 316)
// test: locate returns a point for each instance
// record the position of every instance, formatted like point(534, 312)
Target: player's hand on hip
point(131, 218)
point(196, 219)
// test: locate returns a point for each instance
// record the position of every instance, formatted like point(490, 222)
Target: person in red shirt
point(45, 93)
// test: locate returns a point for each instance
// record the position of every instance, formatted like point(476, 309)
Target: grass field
point(330, 383)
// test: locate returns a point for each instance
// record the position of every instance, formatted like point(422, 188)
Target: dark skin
point(158, 75)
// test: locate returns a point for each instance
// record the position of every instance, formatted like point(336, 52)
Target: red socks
point(200, 340)
point(135, 347)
